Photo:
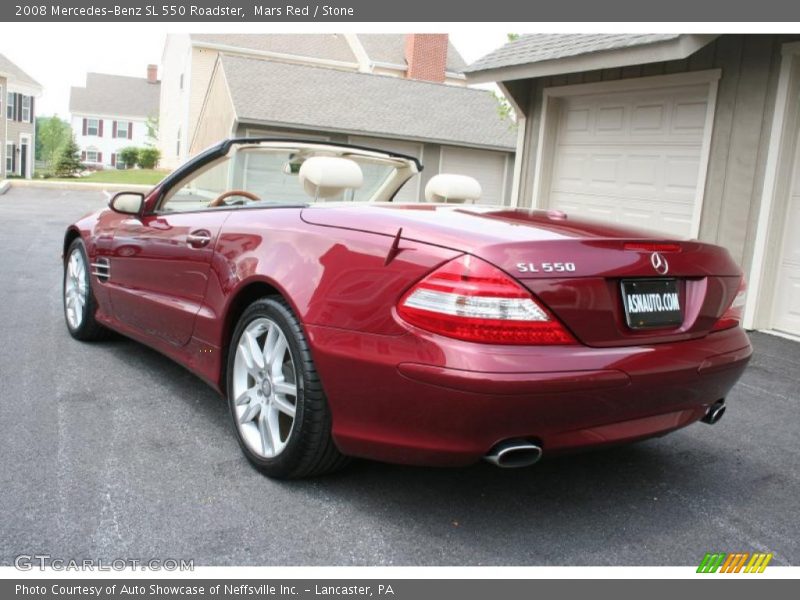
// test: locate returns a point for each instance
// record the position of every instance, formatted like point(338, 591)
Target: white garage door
point(410, 191)
point(631, 157)
point(787, 291)
point(487, 166)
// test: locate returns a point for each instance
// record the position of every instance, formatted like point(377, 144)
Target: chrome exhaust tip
point(512, 454)
point(714, 413)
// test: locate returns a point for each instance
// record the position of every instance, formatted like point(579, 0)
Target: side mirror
point(127, 203)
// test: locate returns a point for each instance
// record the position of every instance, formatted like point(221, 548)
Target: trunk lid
point(576, 267)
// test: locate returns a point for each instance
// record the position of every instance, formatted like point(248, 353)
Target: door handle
point(198, 239)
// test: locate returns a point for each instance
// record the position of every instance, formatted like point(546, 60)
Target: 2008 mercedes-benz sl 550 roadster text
point(340, 324)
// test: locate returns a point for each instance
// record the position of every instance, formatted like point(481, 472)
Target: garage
point(410, 192)
point(630, 156)
point(488, 167)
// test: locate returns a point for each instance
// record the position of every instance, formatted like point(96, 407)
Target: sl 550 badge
point(546, 267)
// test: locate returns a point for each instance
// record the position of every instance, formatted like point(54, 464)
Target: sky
point(60, 59)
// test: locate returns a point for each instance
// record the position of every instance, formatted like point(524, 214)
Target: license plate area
point(652, 303)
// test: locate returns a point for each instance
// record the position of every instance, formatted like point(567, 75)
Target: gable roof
point(390, 49)
point(384, 48)
point(116, 95)
point(536, 55)
point(317, 98)
point(551, 46)
point(15, 74)
point(312, 45)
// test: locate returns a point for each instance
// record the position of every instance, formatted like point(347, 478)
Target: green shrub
point(129, 156)
point(148, 157)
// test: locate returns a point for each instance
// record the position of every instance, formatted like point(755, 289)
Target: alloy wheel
point(75, 288)
point(264, 388)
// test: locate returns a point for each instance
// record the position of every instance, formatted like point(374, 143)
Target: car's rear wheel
point(279, 410)
point(79, 303)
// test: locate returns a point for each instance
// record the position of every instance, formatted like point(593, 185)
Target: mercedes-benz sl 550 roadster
point(340, 324)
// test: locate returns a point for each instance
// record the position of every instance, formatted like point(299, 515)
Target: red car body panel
point(402, 394)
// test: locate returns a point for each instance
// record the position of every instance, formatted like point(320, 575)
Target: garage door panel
point(487, 166)
point(631, 157)
point(410, 192)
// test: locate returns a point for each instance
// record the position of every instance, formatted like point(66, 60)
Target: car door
point(160, 263)
point(158, 271)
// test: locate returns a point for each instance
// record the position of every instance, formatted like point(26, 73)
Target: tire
point(279, 410)
point(79, 302)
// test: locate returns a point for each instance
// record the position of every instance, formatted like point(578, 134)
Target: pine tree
point(68, 162)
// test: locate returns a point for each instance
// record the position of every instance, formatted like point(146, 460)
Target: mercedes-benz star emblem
point(659, 263)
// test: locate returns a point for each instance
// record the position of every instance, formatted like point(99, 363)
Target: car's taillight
point(469, 299)
point(733, 316)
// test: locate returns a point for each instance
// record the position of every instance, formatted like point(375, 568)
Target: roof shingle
point(390, 49)
point(541, 47)
point(116, 95)
point(15, 73)
point(318, 98)
point(312, 45)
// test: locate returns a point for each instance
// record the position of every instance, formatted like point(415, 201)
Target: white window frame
point(26, 118)
point(549, 122)
point(9, 157)
point(89, 127)
point(90, 160)
point(127, 128)
point(10, 106)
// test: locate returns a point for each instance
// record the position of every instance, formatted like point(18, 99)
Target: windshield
point(268, 176)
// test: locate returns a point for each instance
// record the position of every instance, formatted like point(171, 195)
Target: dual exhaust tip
point(512, 454)
point(715, 412)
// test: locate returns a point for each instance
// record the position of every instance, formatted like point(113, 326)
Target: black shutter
point(32, 117)
point(18, 106)
point(13, 158)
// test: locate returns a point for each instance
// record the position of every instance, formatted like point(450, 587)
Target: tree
point(504, 108)
point(148, 157)
point(68, 162)
point(52, 134)
point(152, 130)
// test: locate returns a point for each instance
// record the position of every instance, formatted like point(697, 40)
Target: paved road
point(111, 451)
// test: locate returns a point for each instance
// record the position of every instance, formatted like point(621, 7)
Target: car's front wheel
point(279, 409)
point(79, 303)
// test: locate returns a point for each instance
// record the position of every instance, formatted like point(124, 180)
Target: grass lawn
point(132, 176)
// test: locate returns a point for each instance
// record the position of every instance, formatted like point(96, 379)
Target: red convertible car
point(339, 324)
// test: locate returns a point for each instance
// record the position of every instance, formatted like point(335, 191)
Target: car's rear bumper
point(424, 399)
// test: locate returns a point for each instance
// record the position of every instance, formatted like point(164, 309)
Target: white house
point(112, 112)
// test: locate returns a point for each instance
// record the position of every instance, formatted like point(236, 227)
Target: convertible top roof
point(223, 147)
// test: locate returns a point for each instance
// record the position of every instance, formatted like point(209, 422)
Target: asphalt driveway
point(109, 450)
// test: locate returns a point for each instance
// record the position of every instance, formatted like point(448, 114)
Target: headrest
point(452, 188)
point(329, 176)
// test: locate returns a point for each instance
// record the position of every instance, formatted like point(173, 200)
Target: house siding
point(218, 103)
point(749, 67)
point(175, 66)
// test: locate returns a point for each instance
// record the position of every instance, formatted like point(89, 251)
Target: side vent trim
point(102, 269)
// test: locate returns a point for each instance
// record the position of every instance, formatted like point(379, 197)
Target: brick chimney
point(152, 73)
point(426, 55)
